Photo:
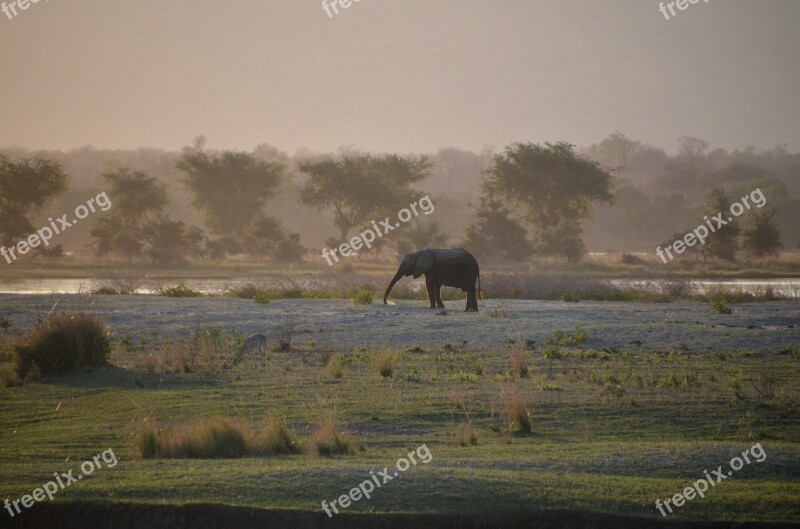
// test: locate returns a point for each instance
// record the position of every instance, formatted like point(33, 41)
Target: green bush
point(327, 441)
point(181, 291)
point(361, 296)
point(105, 291)
point(63, 343)
point(261, 298)
point(720, 308)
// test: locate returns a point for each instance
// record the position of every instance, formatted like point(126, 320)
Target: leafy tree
point(724, 241)
point(497, 235)
point(763, 239)
point(419, 236)
point(360, 188)
point(26, 186)
point(229, 188)
point(555, 187)
point(139, 200)
point(267, 237)
point(563, 239)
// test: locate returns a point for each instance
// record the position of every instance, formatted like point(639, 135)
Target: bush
point(261, 298)
point(9, 377)
point(63, 343)
point(248, 291)
point(105, 291)
point(361, 296)
point(277, 439)
point(215, 438)
point(327, 441)
point(466, 435)
point(519, 363)
point(720, 308)
point(385, 364)
point(181, 291)
point(518, 416)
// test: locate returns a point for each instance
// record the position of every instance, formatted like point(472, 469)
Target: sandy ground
point(340, 325)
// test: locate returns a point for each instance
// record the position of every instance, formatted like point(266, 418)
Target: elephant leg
point(439, 303)
point(431, 286)
point(472, 301)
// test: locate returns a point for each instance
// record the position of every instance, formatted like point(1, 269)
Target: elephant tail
point(480, 290)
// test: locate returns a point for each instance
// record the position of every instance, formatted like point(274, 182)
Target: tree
point(266, 236)
point(723, 242)
point(26, 186)
point(419, 236)
point(359, 187)
point(763, 239)
point(496, 235)
point(139, 200)
point(554, 187)
point(229, 188)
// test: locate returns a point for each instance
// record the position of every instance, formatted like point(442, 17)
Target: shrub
point(361, 296)
point(9, 377)
point(105, 291)
point(519, 363)
point(336, 367)
point(248, 291)
point(578, 337)
point(215, 438)
point(385, 363)
point(277, 439)
point(720, 308)
point(466, 435)
point(518, 416)
point(261, 298)
point(63, 343)
point(328, 442)
point(181, 291)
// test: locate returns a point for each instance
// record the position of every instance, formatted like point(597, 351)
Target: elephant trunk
point(395, 279)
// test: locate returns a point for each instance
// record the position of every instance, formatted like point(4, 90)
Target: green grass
point(610, 431)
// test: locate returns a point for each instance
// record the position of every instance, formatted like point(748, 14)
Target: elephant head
point(414, 264)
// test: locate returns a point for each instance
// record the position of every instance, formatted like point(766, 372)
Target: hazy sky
point(397, 75)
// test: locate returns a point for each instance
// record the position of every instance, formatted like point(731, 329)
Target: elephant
point(452, 267)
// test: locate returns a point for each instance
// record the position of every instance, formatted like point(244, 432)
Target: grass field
point(617, 420)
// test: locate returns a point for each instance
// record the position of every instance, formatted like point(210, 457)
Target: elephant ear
point(424, 263)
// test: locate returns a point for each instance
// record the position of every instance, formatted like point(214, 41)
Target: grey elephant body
point(454, 267)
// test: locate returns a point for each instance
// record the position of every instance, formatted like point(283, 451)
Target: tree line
point(534, 199)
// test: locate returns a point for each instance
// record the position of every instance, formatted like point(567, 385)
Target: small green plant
point(578, 337)
point(570, 298)
point(361, 296)
point(719, 307)
point(262, 298)
point(386, 363)
point(335, 367)
point(181, 291)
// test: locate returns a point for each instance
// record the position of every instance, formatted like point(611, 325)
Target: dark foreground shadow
point(140, 516)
